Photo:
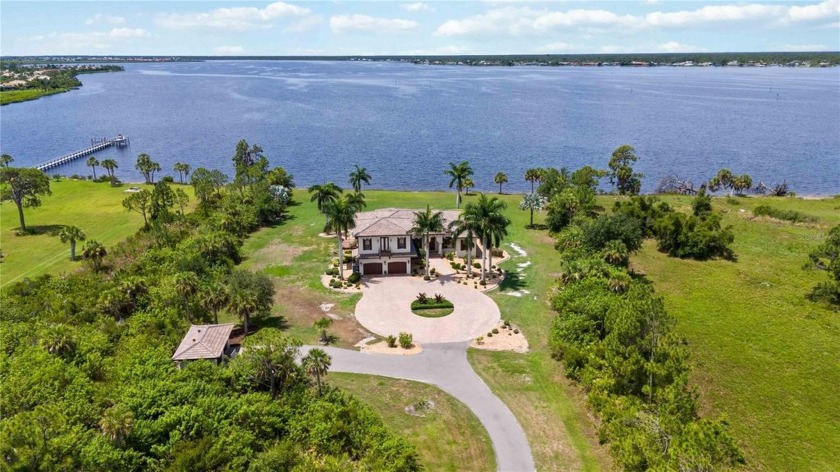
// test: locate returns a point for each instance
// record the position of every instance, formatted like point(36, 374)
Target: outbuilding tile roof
point(203, 342)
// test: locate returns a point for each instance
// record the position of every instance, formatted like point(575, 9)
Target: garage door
point(372, 269)
point(397, 268)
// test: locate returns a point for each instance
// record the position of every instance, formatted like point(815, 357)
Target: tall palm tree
point(71, 234)
point(357, 176)
point(186, 285)
point(459, 173)
point(214, 297)
point(487, 215)
point(316, 363)
point(109, 165)
point(466, 227)
point(341, 218)
point(426, 222)
point(533, 175)
point(182, 169)
point(497, 233)
point(500, 178)
point(94, 251)
point(356, 200)
point(324, 194)
point(92, 162)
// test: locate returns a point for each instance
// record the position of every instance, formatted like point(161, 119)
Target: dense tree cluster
point(86, 374)
point(613, 333)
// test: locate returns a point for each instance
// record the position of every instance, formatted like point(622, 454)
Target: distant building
point(211, 342)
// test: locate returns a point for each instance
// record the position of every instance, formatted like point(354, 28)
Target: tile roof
point(203, 342)
point(393, 221)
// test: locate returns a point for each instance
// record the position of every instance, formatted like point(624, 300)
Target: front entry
point(433, 244)
point(397, 268)
point(374, 268)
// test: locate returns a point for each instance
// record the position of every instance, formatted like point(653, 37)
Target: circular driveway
point(385, 308)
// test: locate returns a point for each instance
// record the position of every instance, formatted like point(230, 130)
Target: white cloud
point(305, 24)
point(228, 50)
point(232, 19)
point(364, 23)
point(804, 47)
point(105, 19)
point(555, 47)
point(829, 9)
point(417, 6)
point(673, 46)
point(83, 43)
point(515, 20)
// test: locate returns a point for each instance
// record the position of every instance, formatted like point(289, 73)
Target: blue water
point(406, 122)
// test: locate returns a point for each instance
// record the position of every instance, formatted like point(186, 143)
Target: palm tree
point(468, 185)
point(186, 285)
point(459, 173)
point(323, 194)
point(214, 297)
point(467, 227)
point(250, 294)
point(183, 170)
point(109, 165)
point(500, 178)
point(116, 423)
point(497, 232)
point(356, 200)
point(58, 339)
point(426, 222)
point(94, 251)
point(486, 213)
point(322, 324)
point(316, 363)
point(359, 175)
point(71, 234)
point(533, 175)
point(92, 162)
point(341, 218)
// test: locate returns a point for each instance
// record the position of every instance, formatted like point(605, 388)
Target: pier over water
point(96, 145)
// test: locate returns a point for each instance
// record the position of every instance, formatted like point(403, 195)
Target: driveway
point(385, 308)
point(446, 366)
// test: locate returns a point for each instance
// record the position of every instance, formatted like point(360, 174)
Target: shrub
point(450, 256)
point(515, 331)
point(479, 340)
point(495, 331)
point(489, 335)
point(331, 271)
point(787, 215)
point(348, 259)
point(391, 340)
point(433, 271)
point(426, 278)
point(483, 283)
point(497, 252)
point(168, 179)
point(476, 265)
point(354, 278)
point(336, 284)
point(439, 298)
point(422, 298)
point(406, 340)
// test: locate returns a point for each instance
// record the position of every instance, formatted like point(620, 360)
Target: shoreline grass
point(7, 97)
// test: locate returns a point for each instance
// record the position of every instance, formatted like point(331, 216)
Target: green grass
point(549, 408)
point(432, 309)
point(448, 436)
point(14, 96)
point(764, 356)
point(96, 208)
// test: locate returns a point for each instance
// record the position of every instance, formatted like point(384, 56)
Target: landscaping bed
point(436, 307)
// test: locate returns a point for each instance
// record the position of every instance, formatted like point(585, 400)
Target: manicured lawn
point(548, 408)
point(765, 357)
point(448, 436)
point(96, 208)
point(432, 309)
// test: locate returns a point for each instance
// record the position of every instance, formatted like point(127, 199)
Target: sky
point(343, 28)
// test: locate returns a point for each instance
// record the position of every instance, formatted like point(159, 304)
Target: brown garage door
point(397, 268)
point(372, 269)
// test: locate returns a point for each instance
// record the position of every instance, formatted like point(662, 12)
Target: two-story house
point(386, 245)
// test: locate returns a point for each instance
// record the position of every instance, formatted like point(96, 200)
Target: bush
point(336, 284)
point(515, 331)
point(354, 278)
point(427, 278)
point(787, 215)
point(391, 340)
point(168, 179)
point(497, 252)
point(347, 259)
point(406, 340)
point(495, 331)
point(476, 265)
point(489, 335)
point(439, 298)
point(422, 298)
point(483, 283)
point(479, 340)
point(331, 271)
point(433, 271)
point(450, 256)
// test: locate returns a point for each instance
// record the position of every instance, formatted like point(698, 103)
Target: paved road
point(446, 366)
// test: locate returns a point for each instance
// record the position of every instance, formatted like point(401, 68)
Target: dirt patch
point(277, 253)
point(302, 306)
point(507, 339)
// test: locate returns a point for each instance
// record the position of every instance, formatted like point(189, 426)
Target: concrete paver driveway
point(385, 308)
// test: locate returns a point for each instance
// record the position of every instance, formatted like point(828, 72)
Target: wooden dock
point(96, 145)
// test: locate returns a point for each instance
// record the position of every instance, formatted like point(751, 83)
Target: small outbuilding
point(211, 342)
